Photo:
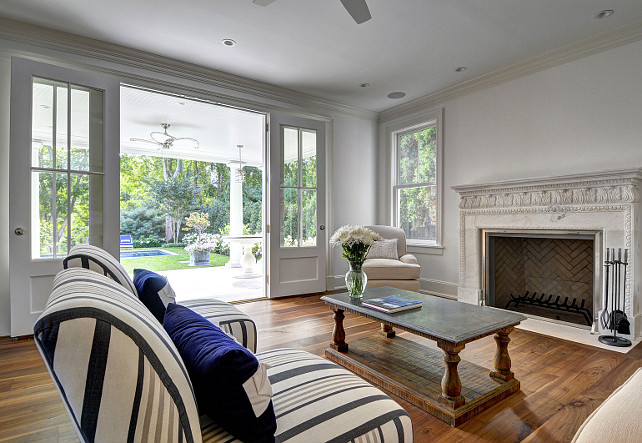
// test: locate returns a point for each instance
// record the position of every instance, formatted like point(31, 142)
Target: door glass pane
point(42, 212)
point(62, 126)
point(289, 217)
point(309, 217)
point(290, 156)
point(42, 124)
point(417, 212)
point(407, 145)
point(66, 207)
point(309, 159)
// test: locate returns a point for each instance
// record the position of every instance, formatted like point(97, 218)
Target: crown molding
point(51, 39)
point(574, 51)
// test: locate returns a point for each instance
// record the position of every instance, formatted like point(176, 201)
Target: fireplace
point(598, 210)
point(549, 275)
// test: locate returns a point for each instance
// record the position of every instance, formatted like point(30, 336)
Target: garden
point(182, 207)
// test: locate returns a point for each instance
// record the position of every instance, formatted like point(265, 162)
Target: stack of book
point(391, 303)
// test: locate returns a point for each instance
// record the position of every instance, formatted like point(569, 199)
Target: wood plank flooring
point(561, 382)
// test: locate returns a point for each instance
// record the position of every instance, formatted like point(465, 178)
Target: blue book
point(391, 303)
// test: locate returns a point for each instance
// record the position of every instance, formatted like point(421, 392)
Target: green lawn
point(168, 262)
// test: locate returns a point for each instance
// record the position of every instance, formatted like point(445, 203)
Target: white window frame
point(433, 118)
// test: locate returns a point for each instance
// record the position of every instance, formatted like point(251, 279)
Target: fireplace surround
point(600, 205)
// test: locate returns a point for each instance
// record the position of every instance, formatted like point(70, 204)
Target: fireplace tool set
point(613, 316)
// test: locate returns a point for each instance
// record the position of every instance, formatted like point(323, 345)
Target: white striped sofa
point(122, 379)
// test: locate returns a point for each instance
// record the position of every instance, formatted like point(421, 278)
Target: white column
point(236, 216)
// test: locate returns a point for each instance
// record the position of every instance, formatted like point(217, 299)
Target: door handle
point(19, 231)
point(322, 227)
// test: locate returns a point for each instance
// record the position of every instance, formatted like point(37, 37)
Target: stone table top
point(437, 319)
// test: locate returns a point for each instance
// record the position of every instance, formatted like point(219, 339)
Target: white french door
point(64, 183)
point(297, 236)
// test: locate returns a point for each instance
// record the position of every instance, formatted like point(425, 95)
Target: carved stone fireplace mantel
point(605, 203)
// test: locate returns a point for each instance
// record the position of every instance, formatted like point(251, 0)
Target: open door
point(297, 236)
point(63, 179)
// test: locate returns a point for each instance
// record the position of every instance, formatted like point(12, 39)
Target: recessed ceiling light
point(605, 13)
point(397, 95)
point(364, 85)
point(461, 69)
point(181, 103)
point(229, 42)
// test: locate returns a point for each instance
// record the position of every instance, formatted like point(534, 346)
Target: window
point(416, 186)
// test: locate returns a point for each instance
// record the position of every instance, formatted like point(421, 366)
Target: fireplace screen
point(546, 277)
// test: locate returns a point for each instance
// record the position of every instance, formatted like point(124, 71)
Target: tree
point(176, 196)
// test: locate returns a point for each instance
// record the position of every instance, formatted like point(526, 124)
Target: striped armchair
point(122, 379)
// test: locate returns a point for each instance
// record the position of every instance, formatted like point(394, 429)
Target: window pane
point(428, 155)
point(290, 156)
point(61, 126)
point(418, 212)
point(309, 161)
point(42, 124)
point(289, 217)
point(309, 216)
point(407, 146)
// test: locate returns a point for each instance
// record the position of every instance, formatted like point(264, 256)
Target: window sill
point(424, 248)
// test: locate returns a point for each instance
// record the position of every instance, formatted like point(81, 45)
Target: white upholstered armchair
point(388, 263)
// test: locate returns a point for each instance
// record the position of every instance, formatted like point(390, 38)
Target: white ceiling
point(315, 47)
point(218, 129)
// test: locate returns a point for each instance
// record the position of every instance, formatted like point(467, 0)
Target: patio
point(215, 282)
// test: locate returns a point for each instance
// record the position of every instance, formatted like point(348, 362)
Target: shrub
point(143, 221)
point(148, 242)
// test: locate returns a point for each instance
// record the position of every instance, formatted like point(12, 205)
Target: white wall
point(352, 143)
point(582, 116)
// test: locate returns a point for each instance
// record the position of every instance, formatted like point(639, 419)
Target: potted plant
point(199, 244)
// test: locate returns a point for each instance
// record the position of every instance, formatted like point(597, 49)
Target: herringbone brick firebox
point(547, 277)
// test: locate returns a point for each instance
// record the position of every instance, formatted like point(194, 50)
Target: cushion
point(154, 291)
point(119, 375)
point(382, 268)
point(101, 261)
point(618, 418)
point(316, 400)
point(231, 386)
point(384, 249)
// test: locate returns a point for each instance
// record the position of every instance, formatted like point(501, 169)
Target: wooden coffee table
point(454, 391)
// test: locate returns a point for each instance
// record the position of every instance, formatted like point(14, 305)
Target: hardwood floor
point(561, 382)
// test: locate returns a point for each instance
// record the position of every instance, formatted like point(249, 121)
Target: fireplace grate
point(542, 301)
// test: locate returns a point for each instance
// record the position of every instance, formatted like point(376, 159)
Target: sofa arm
point(228, 317)
point(408, 258)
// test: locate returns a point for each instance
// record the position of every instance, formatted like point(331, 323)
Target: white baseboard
point(439, 288)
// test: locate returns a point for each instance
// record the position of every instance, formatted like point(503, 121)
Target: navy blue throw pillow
point(154, 291)
point(230, 384)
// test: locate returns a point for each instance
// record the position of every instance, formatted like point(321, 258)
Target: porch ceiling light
point(239, 174)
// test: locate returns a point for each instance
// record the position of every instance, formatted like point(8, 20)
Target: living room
point(567, 108)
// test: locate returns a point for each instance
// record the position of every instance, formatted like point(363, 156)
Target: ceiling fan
point(163, 139)
point(358, 9)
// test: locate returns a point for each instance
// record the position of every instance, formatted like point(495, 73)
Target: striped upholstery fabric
point(318, 401)
point(227, 317)
point(117, 370)
point(101, 261)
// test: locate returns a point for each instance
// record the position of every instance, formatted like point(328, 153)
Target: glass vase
point(356, 281)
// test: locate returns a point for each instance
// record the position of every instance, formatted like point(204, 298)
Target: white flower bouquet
point(355, 242)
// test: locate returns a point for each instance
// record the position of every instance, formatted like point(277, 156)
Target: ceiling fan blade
point(142, 140)
point(263, 2)
point(358, 9)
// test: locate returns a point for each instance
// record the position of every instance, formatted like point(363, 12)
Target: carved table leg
point(450, 383)
point(387, 330)
point(502, 359)
point(338, 333)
